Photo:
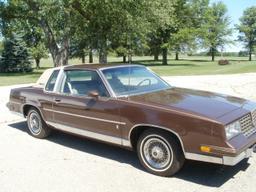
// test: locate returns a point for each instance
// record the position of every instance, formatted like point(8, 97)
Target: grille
point(247, 124)
point(254, 117)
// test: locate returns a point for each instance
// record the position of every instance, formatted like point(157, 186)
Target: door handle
point(57, 100)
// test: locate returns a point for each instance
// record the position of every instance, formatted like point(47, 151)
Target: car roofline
point(99, 66)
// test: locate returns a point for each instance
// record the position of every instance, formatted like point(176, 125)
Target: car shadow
point(210, 175)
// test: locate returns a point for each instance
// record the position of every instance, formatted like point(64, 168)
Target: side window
point(52, 80)
point(82, 82)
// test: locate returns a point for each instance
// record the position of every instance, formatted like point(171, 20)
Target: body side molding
point(86, 133)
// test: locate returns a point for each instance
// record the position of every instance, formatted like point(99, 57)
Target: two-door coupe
point(130, 106)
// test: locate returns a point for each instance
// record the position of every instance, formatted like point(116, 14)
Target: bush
point(15, 56)
point(243, 54)
point(223, 62)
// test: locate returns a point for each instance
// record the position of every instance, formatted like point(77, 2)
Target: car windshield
point(132, 80)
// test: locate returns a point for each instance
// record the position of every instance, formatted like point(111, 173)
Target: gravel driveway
point(67, 163)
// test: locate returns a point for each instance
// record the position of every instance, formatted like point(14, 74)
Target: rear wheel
point(36, 125)
point(160, 153)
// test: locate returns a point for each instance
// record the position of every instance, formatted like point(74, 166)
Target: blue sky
point(235, 11)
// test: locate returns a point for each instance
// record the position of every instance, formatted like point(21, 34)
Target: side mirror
point(94, 94)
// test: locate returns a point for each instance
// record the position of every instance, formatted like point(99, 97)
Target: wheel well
point(26, 109)
point(137, 131)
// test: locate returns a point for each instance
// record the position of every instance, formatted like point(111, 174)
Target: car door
point(47, 96)
point(75, 111)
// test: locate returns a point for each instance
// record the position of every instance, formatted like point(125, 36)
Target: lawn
point(185, 66)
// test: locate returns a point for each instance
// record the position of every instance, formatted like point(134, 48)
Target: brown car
point(130, 106)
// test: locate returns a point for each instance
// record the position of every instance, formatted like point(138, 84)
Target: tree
point(113, 22)
point(247, 30)
point(154, 43)
point(30, 33)
point(38, 52)
point(216, 28)
point(189, 14)
point(1, 46)
point(55, 18)
point(163, 24)
point(15, 56)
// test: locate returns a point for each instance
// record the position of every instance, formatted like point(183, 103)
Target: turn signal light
point(205, 149)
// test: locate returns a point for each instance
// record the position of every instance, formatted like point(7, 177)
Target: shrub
point(15, 56)
point(223, 62)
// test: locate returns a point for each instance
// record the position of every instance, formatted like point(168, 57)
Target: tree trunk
point(124, 58)
point(37, 63)
point(177, 55)
point(130, 58)
point(83, 58)
point(59, 54)
point(90, 56)
point(103, 56)
point(103, 52)
point(61, 59)
point(213, 53)
point(156, 56)
point(213, 56)
point(250, 52)
point(165, 52)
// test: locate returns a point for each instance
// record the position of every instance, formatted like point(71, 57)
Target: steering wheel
point(140, 83)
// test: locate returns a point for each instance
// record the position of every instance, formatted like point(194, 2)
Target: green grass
point(202, 66)
point(185, 66)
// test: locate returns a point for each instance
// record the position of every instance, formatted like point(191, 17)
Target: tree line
point(78, 28)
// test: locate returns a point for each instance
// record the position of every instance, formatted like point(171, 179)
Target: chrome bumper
point(235, 160)
point(225, 160)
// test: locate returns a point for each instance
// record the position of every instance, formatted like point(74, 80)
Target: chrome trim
point(126, 143)
point(57, 80)
point(204, 158)
point(86, 133)
point(225, 160)
point(158, 76)
point(86, 117)
point(15, 102)
point(121, 66)
point(39, 109)
point(235, 160)
point(61, 80)
point(105, 82)
point(155, 126)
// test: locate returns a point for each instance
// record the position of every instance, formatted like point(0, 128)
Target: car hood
point(203, 103)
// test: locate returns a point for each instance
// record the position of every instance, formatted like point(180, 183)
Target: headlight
point(233, 129)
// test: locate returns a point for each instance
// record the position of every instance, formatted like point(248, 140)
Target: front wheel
point(160, 153)
point(36, 125)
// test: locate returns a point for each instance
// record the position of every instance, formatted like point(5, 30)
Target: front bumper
point(235, 160)
point(225, 160)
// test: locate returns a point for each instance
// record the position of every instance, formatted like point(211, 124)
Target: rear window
point(52, 80)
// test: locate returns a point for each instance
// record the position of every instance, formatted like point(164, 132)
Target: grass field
point(185, 66)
